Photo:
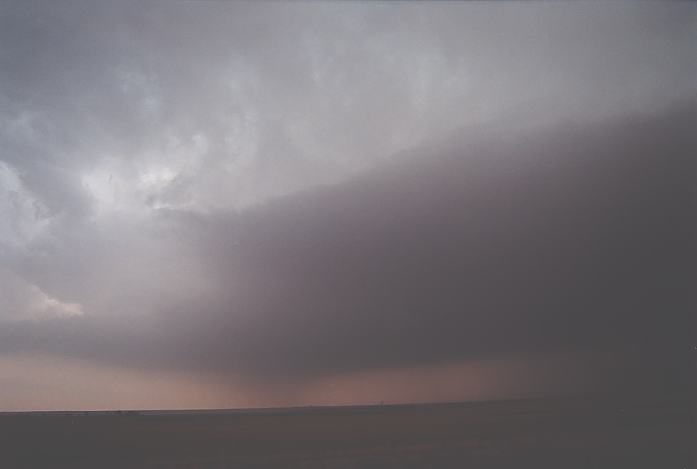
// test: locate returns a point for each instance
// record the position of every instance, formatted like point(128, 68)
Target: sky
point(240, 204)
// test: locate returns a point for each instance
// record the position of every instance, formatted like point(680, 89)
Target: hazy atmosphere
point(233, 204)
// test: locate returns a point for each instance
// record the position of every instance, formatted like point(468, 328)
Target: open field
point(542, 433)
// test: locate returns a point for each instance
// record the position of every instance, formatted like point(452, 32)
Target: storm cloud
point(302, 193)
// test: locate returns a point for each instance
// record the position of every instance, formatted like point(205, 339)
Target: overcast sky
point(207, 204)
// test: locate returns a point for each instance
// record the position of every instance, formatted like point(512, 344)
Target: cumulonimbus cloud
point(296, 191)
point(578, 238)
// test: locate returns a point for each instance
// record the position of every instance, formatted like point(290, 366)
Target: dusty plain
point(536, 433)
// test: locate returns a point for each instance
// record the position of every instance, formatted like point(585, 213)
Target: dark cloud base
point(579, 238)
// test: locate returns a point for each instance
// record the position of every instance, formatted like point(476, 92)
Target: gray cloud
point(230, 104)
point(577, 238)
point(290, 190)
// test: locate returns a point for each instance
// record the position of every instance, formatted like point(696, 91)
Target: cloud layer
point(308, 193)
point(576, 239)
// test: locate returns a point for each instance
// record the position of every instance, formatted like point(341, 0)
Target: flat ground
point(541, 433)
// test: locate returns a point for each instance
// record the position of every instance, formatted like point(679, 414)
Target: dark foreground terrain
point(563, 433)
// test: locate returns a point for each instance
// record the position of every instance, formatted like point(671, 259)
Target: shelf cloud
point(301, 203)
